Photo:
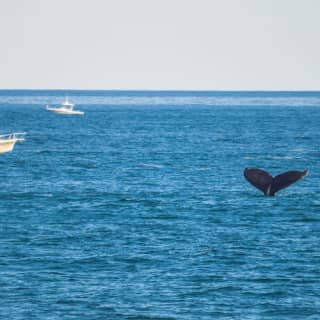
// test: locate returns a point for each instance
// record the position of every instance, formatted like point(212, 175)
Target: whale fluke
point(271, 185)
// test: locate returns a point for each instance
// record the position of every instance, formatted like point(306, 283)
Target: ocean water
point(139, 209)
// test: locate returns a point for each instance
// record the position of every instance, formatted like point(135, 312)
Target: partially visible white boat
point(7, 141)
point(65, 108)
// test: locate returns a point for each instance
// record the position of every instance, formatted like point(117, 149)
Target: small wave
point(204, 251)
point(306, 220)
point(203, 168)
point(129, 200)
point(281, 158)
point(298, 150)
point(303, 138)
point(67, 301)
point(86, 165)
point(146, 317)
point(167, 216)
point(48, 195)
point(43, 151)
point(152, 165)
point(210, 202)
point(269, 158)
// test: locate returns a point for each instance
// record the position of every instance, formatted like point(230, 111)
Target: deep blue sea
point(139, 208)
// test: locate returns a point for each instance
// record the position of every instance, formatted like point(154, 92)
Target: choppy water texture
point(139, 208)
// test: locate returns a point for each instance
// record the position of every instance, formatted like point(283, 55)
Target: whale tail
point(269, 185)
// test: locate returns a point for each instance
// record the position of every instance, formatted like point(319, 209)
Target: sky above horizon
point(160, 44)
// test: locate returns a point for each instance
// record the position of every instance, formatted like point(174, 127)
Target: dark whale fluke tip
point(270, 185)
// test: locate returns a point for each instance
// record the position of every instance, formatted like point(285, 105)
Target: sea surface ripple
point(139, 209)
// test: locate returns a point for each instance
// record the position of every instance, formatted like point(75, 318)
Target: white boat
point(7, 141)
point(65, 108)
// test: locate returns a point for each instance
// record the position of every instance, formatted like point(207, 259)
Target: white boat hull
point(7, 146)
point(8, 141)
point(65, 111)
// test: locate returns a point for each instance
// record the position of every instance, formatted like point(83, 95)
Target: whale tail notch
point(269, 185)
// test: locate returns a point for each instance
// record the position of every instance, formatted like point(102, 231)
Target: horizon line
point(165, 90)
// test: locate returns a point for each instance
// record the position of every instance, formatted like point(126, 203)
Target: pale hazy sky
point(160, 44)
